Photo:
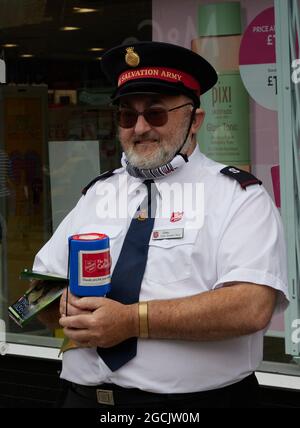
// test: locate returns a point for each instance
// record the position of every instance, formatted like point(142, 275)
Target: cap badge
point(132, 58)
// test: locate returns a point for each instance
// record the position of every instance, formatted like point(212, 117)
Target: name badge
point(167, 234)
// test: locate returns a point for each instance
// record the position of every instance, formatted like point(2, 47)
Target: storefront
point(57, 132)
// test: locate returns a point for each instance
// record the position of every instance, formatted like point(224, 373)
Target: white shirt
point(232, 235)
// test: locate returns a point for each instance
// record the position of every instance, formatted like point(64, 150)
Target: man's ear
point(198, 120)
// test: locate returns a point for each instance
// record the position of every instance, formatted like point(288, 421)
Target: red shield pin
point(176, 216)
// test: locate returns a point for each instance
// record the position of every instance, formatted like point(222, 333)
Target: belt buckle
point(105, 396)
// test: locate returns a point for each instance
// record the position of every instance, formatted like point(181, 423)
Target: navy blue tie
point(129, 271)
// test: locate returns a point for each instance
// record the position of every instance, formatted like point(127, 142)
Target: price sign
point(258, 59)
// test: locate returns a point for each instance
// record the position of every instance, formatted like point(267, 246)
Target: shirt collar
point(184, 174)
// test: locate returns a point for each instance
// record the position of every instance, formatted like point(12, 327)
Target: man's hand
point(99, 321)
point(50, 316)
point(73, 305)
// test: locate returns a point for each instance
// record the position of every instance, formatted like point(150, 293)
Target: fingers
point(73, 308)
point(76, 322)
point(91, 303)
point(72, 300)
point(76, 328)
point(79, 305)
point(105, 326)
point(79, 337)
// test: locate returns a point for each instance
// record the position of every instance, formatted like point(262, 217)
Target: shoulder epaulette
point(102, 176)
point(243, 177)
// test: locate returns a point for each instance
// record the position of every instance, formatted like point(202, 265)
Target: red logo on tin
point(176, 216)
point(95, 265)
point(155, 234)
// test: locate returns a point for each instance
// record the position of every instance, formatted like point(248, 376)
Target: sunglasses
point(155, 116)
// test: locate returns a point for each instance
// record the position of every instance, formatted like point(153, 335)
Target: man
point(214, 270)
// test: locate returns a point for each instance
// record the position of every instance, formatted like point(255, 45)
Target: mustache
point(146, 136)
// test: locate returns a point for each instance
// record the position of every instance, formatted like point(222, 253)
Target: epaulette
point(243, 177)
point(102, 176)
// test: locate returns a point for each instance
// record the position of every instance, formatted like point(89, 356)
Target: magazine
point(38, 297)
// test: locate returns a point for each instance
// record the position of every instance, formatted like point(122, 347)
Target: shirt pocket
point(170, 260)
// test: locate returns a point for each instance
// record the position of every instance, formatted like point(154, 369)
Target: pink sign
point(258, 44)
point(257, 59)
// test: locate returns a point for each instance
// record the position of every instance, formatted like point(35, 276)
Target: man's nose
point(141, 125)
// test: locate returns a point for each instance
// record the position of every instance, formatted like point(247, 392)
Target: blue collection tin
point(89, 264)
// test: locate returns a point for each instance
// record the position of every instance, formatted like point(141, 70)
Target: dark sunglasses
point(155, 116)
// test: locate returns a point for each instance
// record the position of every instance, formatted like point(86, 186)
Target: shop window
point(57, 130)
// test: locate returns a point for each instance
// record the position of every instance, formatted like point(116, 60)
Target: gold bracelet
point(143, 320)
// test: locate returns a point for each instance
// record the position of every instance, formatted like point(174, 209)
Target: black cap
point(155, 67)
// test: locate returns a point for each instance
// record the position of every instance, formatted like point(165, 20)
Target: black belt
point(111, 394)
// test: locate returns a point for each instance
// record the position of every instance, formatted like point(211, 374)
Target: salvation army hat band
point(165, 74)
point(157, 80)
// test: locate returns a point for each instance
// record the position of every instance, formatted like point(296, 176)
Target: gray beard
point(161, 157)
point(157, 172)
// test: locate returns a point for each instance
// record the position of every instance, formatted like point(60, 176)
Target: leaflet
point(38, 297)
